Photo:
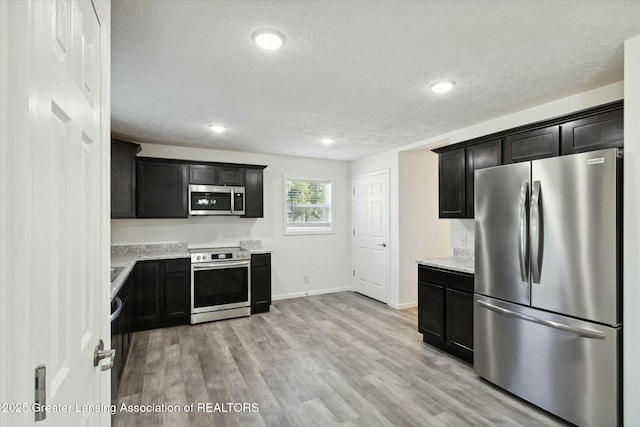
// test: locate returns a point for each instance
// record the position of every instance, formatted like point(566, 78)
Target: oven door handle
point(219, 265)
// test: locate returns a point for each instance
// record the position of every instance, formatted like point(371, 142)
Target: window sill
point(307, 231)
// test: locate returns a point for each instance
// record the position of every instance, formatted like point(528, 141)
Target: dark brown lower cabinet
point(260, 283)
point(121, 334)
point(431, 311)
point(459, 323)
point(445, 310)
point(162, 294)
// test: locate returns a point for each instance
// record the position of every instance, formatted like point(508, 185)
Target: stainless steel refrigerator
point(547, 303)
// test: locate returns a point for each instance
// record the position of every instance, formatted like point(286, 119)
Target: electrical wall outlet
point(463, 241)
point(306, 279)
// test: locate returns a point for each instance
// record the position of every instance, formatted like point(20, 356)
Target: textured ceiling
point(355, 71)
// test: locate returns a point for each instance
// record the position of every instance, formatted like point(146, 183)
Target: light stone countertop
point(127, 256)
point(254, 247)
point(256, 251)
point(454, 263)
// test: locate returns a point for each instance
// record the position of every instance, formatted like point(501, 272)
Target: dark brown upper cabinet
point(593, 129)
point(451, 184)
point(253, 194)
point(532, 145)
point(480, 156)
point(123, 179)
point(228, 175)
point(605, 130)
point(162, 189)
point(203, 174)
point(216, 175)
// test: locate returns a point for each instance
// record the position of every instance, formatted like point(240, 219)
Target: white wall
point(326, 259)
point(376, 163)
point(422, 234)
point(462, 235)
point(631, 274)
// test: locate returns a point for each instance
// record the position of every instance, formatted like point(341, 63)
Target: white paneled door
point(55, 151)
point(371, 235)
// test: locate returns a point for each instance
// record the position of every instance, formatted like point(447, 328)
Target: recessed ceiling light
point(327, 141)
point(441, 87)
point(217, 128)
point(268, 39)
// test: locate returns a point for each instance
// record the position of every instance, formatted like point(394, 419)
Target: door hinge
point(354, 273)
point(354, 231)
point(41, 393)
point(354, 191)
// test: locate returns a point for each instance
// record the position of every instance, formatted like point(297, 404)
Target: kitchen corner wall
point(422, 233)
point(325, 259)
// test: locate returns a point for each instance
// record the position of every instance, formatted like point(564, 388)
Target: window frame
point(298, 231)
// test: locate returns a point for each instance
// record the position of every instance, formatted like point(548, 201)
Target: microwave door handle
point(233, 201)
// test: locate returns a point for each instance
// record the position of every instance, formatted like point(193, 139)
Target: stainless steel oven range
point(220, 284)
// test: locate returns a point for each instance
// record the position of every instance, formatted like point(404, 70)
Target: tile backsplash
point(462, 238)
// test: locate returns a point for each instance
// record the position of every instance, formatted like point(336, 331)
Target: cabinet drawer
point(258, 260)
point(180, 264)
point(450, 279)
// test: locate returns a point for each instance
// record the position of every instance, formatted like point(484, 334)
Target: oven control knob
point(198, 258)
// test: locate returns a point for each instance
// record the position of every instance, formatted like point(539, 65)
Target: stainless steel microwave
point(216, 200)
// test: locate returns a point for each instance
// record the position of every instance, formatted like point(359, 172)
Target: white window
point(307, 206)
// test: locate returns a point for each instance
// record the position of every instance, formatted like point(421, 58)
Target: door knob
point(100, 353)
point(384, 245)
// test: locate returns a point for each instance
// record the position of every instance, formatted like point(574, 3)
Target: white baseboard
point(403, 306)
point(308, 293)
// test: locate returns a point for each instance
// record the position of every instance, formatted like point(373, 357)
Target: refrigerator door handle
point(535, 232)
point(523, 228)
point(587, 333)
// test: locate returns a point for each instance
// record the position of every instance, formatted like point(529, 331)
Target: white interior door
point(56, 149)
point(371, 235)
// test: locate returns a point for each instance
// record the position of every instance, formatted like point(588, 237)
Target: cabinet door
point(228, 175)
point(459, 323)
point(203, 174)
point(177, 289)
point(597, 132)
point(531, 145)
point(431, 311)
point(123, 179)
point(480, 156)
point(451, 185)
point(253, 193)
point(260, 283)
point(147, 295)
point(162, 189)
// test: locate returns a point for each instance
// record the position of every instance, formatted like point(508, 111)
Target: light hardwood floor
point(335, 359)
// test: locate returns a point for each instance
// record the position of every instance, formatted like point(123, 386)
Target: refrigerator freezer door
point(501, 216)
point(565, 366)
point(573, 236)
